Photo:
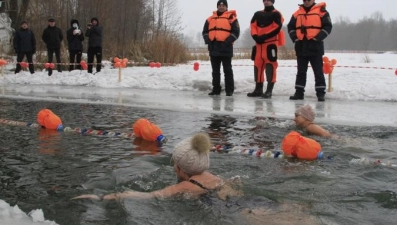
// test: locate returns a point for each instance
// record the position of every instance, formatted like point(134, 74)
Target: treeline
point(372, 33)
point(136, 29)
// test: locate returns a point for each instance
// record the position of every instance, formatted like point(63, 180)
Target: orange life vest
point(308, 24)
point(220, 27)
point(279, 38)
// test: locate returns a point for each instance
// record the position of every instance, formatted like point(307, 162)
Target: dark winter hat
point(51, 20)
point(271, 1)
point(94, 18)
point(221, 2)
point(23, 22)
point(74, 21)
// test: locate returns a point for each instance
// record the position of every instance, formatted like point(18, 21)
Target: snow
point(14, 216)
point(365, 84)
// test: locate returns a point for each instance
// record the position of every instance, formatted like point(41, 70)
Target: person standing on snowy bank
point(94, 34)
point(52, 37)
point(220, 31)
point(75, 38)
point(265, 30)
point(308, 28)
point(24, 45)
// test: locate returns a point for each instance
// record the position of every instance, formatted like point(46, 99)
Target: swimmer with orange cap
point(304, 117)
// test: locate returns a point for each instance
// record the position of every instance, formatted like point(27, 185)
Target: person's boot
point(269, 90)
point(49, 71)
point(297, 96)
point(215, 91)
point(321, 97)
point(258, 90)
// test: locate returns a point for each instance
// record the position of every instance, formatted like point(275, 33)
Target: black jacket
point(222, 48)
point(24, 41)
point(311, 47)
point(52, 37)
point(75, 42)
point(94, 36)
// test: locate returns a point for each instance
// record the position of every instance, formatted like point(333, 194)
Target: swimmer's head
point(306, 112)
point(192, 154)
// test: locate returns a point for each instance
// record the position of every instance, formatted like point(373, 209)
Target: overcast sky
point(195, 12)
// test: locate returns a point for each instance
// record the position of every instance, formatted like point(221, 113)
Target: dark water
point(44, 170)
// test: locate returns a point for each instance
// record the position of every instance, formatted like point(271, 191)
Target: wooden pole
point(119, 74)
point(330, 81)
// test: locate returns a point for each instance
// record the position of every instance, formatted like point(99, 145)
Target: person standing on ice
point(52, 37)
point(24, 45)
point(220, 31)
point(265, 30)
point(94, 34)
point(75, 38)
point(308, 28)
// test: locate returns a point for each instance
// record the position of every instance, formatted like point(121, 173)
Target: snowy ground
point(363, 92)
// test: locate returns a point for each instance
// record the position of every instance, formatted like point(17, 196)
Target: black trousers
point(97, 52)
point(226, 62)
point(50, 54)
point(317, 65)
point(75, 57)
point(29, 58)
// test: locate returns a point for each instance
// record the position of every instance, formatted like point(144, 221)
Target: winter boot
point(258, 90)
point(269, 90)
point(215, 91)
point(299, 95)
point(321, 97)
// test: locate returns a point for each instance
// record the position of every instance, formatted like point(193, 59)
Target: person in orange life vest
point(219, 32)
point(265, 27)
point(304, 117)
point(308, 28)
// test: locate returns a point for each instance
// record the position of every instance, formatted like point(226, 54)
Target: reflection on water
point(228, 103)
point(49, 140)
point(44, 169)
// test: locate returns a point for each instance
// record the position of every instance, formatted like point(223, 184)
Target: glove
point(259, 39)
point(207, 40)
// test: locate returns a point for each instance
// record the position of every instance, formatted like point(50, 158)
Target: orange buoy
point(151, 132)
point(139, 126)
point(301, 147)
point(47, 119)
point(143, 128)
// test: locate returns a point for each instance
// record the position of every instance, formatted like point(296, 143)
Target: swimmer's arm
point(167, 192)
point(317, 130)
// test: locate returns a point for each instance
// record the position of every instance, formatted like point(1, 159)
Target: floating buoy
point(301, 147)
point(144, 129)
point(47, 119)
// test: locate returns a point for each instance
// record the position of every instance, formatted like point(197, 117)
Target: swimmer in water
point(304, 117)
point(191, 162)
